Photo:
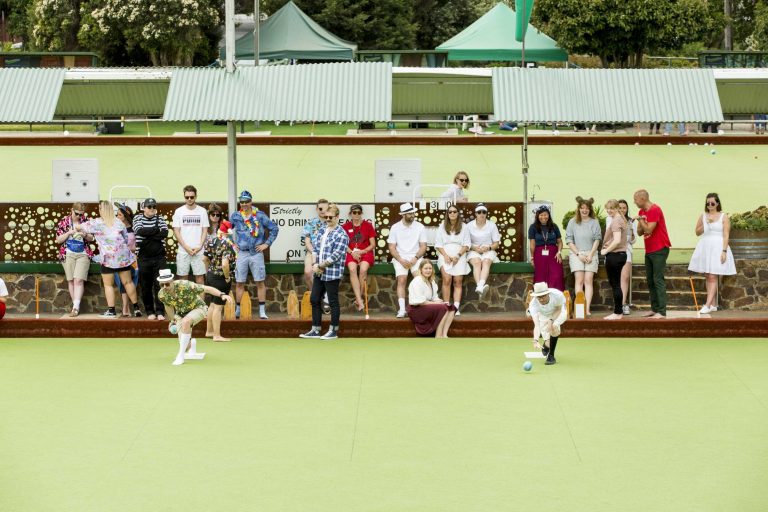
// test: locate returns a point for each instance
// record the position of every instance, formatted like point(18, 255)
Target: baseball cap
point(225, 226)
point(245, 196)
point(150, 203)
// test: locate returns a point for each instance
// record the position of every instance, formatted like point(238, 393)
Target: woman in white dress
point(712, 256)
point(452, 244)
point(484, 240)
point(455, 193)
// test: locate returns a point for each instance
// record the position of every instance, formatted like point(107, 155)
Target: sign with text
point(291, 218)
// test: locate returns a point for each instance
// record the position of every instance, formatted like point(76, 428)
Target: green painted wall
point(678, 177)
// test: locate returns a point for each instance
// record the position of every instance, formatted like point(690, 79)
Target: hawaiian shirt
point(183, 296)
point(113, 243)
point(74, 241)
point(312, 229)
point(244, 230)
point(216, 249)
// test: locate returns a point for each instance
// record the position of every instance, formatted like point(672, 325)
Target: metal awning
point(29, 95)
point(343, 92)
point(605, 95)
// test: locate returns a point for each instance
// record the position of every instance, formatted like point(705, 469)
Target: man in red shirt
point(652, 226)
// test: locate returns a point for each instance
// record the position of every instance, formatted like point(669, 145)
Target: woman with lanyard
point(545, 244)
point(362, 242)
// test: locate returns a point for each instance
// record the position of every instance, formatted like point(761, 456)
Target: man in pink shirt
point(653, 228)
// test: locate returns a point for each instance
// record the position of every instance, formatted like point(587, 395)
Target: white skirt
point(461, 268)
point(706, 257)
point(489, 255)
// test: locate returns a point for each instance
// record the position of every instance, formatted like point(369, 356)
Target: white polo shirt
point(407, 238)
point(485, 236)
point(551, 309)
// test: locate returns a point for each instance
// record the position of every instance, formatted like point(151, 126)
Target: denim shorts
point(253, 262)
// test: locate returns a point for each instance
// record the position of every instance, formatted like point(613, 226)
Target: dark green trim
point(272, 268)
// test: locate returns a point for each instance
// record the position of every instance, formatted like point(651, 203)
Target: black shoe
point(313, 333)
point(108, 314)
point(550, 360)
point(544, 350)
point(137, 313)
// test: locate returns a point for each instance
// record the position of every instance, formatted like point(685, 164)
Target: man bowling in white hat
point(548, 312)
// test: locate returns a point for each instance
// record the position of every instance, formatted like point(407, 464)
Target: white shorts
point(489, 255)
point(577, 265)
point(543, 329)
point(184, 261)
point(402, 271)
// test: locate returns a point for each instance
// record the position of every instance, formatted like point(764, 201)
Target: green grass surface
point(383, 425)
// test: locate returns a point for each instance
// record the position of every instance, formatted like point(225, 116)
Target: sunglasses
point(464, 180)
point(189, 197)
point(246, 202)
point(80, 213)
point(329, 217)
point(452, 212)
point(356, 212)
point(711, 204)
point(481, 212)
point(214, 214)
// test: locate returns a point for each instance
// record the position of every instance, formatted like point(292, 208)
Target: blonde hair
point(77, 206)
point(612, 203)
point(423, 264)
point(334, 207)
point(107, 213)
point(462, 173)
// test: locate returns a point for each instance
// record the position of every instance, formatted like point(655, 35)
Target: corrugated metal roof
point(108, 98)
point(354, 91)
point(29, 95)
point(605, 95)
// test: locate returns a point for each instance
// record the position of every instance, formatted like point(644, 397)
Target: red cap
point(225, 226)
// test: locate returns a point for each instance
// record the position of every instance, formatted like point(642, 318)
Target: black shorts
point(107, 270)
point(220, 284)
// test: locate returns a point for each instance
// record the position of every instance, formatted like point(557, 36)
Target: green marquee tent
point(492, 37)
point(291, 34)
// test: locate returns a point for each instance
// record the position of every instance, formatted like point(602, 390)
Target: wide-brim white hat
point(407, 208)
point(540, 289)
point(165, 275)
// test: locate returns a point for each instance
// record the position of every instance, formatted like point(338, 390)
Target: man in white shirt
point(3, 298)
point(190, 225)
point(548, 312)
point(407, 244)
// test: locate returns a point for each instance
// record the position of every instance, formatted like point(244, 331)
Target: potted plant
point(749, 234)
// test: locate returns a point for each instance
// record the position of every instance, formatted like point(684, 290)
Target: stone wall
point(748, 289)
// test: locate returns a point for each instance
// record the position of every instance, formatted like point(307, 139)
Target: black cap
point(355, 207)
point(150, 203)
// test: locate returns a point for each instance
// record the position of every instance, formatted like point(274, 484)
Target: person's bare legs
point(457, 281)
point(216, 317)
point(588, 289)
point(446, 281)
point(477, 265)
point(401, 282)
point(309, 259)
point(711, 289)
point(109, 289)
point(354, 280)
point(444, 325)
point(578, 282)
point(485, 271)
point(261, 291)
point(364, 266)
point(626, 271)
point(209, 322)
point(239, 289)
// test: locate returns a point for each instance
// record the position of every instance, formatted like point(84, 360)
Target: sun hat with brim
point(165, 275)
point(407, 208)
point(540, 289)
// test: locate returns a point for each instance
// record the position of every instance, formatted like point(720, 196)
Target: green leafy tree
point(16, 17)
point(758, 39)
point(439, 21)
point(619, 32)
point(53, 24)
point(170, 32)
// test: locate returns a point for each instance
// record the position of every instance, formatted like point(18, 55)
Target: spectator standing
point(548, 312)
point(215, 216)
point(615, 252)
point(407, 242)
point(626, 272)
point(116, 256)
point(583, 238)
point(220, 256)
point(452, 243)
point(545, 244)
point(330, 251)
point(3, 298)
point(456, 192)
point(254, 233)
point(760, 123)
point(484, 239)
point(712, 256)
point(151, 232)
point(125, 215)
point(190, 226)
point(429, 314)
point(652, 226)
point(309, 239)
point(74, 254)
point(362, 242)
point(652, 126)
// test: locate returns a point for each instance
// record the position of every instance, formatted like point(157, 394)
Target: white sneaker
point(712, 309)
point(625, 309)
point(401, 314)
point(458, 313)
point(485, 290)
point(179, 360)
point(704, 311)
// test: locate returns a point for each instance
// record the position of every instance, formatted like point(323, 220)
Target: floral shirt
point(183, 296)
point(73, 242)
point(113, 243)
point(216, 249)
point(312, 229)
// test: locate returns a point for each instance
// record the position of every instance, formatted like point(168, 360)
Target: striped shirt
point(150, 235)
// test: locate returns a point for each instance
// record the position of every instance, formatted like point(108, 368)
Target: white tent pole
point(229, 25)
point(524, 150)
point(256, 19)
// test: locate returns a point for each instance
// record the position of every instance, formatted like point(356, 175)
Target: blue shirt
point(312, 229)
point(546, 236)
point(244, 239)
point(334, 251)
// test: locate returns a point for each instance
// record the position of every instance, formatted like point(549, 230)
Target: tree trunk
point(728, 32)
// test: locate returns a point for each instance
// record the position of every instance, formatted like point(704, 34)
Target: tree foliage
point(439, 21)
point(54, 24)
point(620, 31)
point(758, 39)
